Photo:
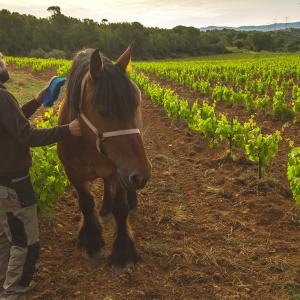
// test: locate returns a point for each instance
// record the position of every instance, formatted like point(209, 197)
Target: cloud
point(166, 13)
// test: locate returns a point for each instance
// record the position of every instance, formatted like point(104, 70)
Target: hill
point(270, 27)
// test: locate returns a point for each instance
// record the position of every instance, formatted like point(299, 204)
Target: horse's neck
point(66, 113)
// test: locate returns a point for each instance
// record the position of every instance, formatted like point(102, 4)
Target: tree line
point(61, 36)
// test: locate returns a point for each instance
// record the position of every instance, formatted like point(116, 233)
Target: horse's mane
point(114, 90)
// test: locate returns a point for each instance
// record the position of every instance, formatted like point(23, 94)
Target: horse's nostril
point(137, 180)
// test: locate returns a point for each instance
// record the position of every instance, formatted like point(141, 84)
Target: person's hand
point(74, 127)
point(40, 97)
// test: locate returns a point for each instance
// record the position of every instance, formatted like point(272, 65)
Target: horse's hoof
point(118, 270)
point(95, 256)
point(103, 219)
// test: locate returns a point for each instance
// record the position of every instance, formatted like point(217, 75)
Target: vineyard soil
point(205, 229)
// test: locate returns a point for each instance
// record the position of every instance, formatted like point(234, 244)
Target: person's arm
point(30, 108)
point(14, 121)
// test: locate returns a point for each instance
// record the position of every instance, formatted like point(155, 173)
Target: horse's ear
point(96, 65)
point(124, 60)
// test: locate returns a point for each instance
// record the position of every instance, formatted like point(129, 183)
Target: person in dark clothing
point(19, 233)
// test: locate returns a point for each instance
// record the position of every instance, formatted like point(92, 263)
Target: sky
point(168, 13)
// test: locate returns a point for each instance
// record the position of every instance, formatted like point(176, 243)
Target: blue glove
point(53, 91)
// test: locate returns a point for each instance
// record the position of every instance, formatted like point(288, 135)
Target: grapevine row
point(257, 86)
point(258, 147)
point(269, 83)
point(40, 64)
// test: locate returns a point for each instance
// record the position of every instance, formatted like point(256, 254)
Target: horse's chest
point(86, 162)
point(95, 168)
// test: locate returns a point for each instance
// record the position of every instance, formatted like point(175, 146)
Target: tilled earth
point(205, 228)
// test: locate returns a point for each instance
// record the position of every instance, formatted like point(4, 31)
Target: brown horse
point(108, 105)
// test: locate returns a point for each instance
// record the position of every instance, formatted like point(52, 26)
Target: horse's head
point(112, 102)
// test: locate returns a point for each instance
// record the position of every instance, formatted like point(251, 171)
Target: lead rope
point(104, 135)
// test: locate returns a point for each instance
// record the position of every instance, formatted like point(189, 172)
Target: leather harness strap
point(100, 136)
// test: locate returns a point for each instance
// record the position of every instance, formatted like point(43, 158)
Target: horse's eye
point(104, 114)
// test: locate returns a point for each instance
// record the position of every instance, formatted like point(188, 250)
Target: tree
point(260, 41)
point(55, 10)
point(20, 34)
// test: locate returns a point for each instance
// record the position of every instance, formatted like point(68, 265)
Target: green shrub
point(293, 173)
point(38, 53)
point(48, 177)
point(55, 53)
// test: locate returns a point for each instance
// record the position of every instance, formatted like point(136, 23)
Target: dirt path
point(205, 229)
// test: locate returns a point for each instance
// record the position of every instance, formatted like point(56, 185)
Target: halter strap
point(100, 136)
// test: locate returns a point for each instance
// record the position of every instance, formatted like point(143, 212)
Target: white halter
point(100, 136)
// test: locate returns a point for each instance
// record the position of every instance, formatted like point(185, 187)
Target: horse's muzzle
point(137, 180)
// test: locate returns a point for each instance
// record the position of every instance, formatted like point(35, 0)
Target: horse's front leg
point(106, 209)
point(90, 234)
point(123, 252)
point(132, 199)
